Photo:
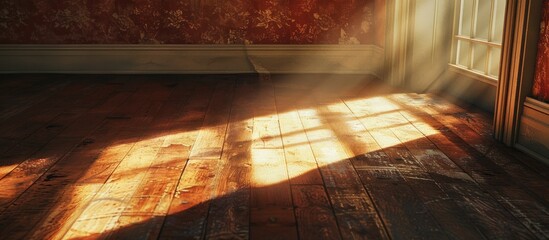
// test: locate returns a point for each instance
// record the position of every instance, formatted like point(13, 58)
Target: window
point(478, 32)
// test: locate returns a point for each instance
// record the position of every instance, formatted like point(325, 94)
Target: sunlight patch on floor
point(268, 167)
point(377, 116)
point(5, 169)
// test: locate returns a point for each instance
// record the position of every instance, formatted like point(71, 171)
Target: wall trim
point(533, 154)
point(537, 105)
point(533, 136)
point(519, 51)
point(125, 58)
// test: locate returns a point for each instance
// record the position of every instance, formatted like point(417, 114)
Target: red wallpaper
point(541, 80)
point(192, 21)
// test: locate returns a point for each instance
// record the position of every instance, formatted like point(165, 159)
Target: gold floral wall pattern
point(192, 21)
point(541, 79)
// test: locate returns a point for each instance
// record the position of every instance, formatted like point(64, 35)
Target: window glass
point(480, 53)
point(463, 53)
point(466, 16)
point(483, 15)
point(478, 35)
point(497, 28)
point(493, 68)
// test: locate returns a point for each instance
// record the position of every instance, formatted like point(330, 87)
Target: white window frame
point(471, 39)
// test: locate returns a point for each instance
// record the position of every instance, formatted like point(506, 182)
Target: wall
point(430, 43)
point(533, 135)
point(427, 51)
point(192, 22)
point(540, 88)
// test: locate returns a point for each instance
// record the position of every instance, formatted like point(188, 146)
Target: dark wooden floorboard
point(242, 156)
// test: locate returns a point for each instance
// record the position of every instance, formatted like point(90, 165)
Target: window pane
point(493, 69)
point(463, 53)
point(465, 17)
point(497, 28)
point(480, 21)
point(483, 19)
point(480, 57)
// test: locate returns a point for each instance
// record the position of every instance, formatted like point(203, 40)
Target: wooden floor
point(239, 157)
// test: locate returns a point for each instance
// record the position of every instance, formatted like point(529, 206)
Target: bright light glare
point(268, 167)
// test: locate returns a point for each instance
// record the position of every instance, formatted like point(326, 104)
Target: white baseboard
point(534, 129)
point(344, 59)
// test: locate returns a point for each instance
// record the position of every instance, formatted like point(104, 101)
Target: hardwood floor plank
point(314, 213)
point(149, 205)
point(55, 174)
point(375, 164)
point(234, 157)
point(301, 163)
point(302, 166)
point(489, 178)
point(209, 144)
point(29, 136)
point(273, 223)
point(144, 216)
point(498, 154)
point(270, 194)
point(229, 214)
point(342, 182)
point(104, 210)
point(26, 92)
point(188, 211)
point(41, 113)
point(83, 173)
point(370, 157)
point(25, 149)
point(20, 176)
point(190, 204)
point(447, 172)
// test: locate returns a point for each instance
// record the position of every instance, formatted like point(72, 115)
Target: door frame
point(519, 53)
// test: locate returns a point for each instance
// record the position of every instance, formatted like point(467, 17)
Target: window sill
point(474, 75)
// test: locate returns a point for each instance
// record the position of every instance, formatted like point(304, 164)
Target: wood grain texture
point(210, 140)
point(243, 157)
point(489, 180)
point(229, 214)
point(353, 206)
point(272, 215)
point(300, 160)
point(398, 160)
point(313, 212)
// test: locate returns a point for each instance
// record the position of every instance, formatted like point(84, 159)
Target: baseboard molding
point(342, 59)
point(534, 130)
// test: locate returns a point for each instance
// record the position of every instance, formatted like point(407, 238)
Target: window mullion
point(456, 26)
point(490, 33)
point(492, 44)
point(466, 33)
point(472, 33)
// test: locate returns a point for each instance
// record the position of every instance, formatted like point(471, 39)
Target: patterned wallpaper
point(541, 79)
point(192, 21)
